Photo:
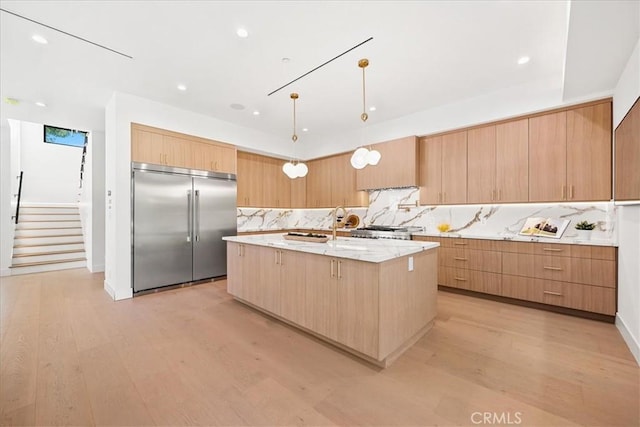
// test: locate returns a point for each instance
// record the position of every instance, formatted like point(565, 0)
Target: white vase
point(583, 234)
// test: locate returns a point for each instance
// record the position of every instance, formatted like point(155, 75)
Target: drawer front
point(478, 281)
point(552, 249)
point(577, 270)
point(517, 264)
point(454, 277)
point(472, 259)
point(604, 273)
point(524, 288)
point(595, 299)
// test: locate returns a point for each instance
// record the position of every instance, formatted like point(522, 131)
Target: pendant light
point(294, 168)
point(363, 156)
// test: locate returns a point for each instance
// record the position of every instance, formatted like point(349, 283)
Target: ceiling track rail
point(321, 65)
point(65, 33)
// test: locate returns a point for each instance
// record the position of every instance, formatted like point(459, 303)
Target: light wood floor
point(193, 356)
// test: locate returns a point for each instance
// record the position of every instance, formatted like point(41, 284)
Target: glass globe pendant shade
point(301, 170)
point(373, 157)
point(289, 170)
point(359, 158)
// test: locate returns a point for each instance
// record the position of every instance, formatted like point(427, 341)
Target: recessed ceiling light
point(285, 59)
point(305, 130)
point(39, 39)
point(256, 113)
point(372, 108)
point(242, 33)
point(182, 87)
point(523, 60)
point(237, 106)
point(41, 104)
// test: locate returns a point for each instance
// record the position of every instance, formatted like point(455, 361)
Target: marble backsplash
point(504, 220)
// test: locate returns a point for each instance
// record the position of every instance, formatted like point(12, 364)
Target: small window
point(62, 136)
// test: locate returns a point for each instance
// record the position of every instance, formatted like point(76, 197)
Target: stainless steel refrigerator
point(179, 219)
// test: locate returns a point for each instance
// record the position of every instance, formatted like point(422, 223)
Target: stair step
point(54, 247)
point(27, 217)
point(48, 262)
point(57, 256)
point(42, 240)
point(50, 228)
point(51, 213)
point(28, 232)
point(46, 244)
point(56, 252)
point(39, 267)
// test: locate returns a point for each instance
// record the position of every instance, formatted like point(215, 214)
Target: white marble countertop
point(519, 238)
point(368, 250)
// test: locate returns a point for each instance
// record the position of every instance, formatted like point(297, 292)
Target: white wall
point(91, 204)
point(628, 317)
point(6, 198)
point(51, 171)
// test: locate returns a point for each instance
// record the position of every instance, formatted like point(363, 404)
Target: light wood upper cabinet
point(512, 161)
point(331, 182)
point(481, 165)
point(628, 156)
point(398, 166)
point(163, 147)
point(250, 180)
point(497, 157)
point(299, 193)
point(443, 166)
point(570, 155)
point(589, 153)
point(431, 170)
point(276, 185)
point(548, 157)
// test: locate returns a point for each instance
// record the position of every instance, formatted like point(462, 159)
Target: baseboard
point(117, 296)
point(109, 289)
point(5, 272)
point(98, 268)
point(629, 339)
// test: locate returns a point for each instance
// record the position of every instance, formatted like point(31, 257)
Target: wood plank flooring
point(69, 355)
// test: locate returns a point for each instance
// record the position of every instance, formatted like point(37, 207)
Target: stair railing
point(19, 195)
point(84, 155)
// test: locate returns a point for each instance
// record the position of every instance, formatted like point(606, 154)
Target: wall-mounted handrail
point(84, 154)
point(19, 195)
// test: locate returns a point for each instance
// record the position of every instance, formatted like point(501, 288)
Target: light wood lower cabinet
point(580, 277)
point(372, 309)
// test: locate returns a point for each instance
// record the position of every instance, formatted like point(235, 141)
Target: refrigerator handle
point(197, 216)
point(188, 215)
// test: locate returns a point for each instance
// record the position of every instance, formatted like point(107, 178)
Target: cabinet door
point(343, 183)
point(628, 156)
point(589, 153)
point(398, 166)
point(548, 157)
point(252, 275)
point(146, 147)
point(512, 161)
point(292, 286)
point(175, 150)
point(481, 165)
point(321, 298)
point(299, 192)
point(202, 156)
point(225, 160)
point(276, 186)
point(249, 180)
point(268, 286)
point(358, 305)
point(454, 168)
point(319, 184)
point(431, 170)
point(235, 269)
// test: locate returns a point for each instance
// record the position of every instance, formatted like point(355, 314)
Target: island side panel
point(408, 299)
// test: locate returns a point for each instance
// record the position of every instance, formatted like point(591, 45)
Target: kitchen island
point(373, 298)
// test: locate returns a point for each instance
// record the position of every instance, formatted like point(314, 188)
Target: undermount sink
point(346, 246)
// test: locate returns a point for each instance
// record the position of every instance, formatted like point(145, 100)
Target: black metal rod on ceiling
point(321, 65)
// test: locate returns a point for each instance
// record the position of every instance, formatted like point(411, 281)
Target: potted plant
point(584, 228)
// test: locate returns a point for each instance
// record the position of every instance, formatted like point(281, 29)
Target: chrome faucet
point(335, 218)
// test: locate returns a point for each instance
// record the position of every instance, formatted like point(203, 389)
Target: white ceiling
point(423, 54)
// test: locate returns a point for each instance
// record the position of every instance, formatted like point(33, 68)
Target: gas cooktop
point(386, 232)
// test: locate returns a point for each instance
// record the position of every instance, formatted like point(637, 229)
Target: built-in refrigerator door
point(214, 217)
point(162, 250)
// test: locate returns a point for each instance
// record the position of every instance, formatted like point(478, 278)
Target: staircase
point(48, 237)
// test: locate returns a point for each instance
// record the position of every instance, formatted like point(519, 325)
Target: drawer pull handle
point(460, 259)
point(460, 243)
point(552, 268)
point(551, 250)
point(558, 294)
point(460, 279)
